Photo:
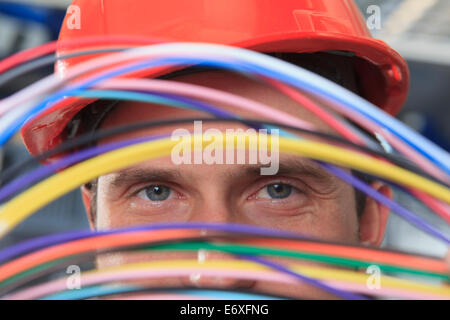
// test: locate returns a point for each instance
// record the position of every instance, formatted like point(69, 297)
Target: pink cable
point(51, 83)
point(55, 286)
point(60, 284)
point(47, 48)
point(347, 133)
point(437, 206)
point(394, 141)
point(310, 105)
point(159, 296)
point(431, 202)
point(201, 92)
point(441, 208)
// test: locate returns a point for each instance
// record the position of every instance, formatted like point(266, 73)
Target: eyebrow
point(297, 166)
point(133, 175)
point(300, 167)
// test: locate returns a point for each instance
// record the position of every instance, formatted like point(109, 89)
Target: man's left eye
point(157, 192)
point(276, 191)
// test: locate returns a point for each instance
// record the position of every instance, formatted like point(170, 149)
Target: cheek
point(341, 227)
point(103, 216)
point(108, 216)
point(120, 213)
point(327, 219)
point(334, 219)
point(342, 221)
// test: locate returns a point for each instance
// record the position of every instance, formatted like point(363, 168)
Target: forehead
point(130, 111)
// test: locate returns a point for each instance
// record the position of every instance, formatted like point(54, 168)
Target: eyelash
point(173, 193)
point(288, 182)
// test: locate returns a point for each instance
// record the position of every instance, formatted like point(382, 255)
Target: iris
point(157, 192)
point(279, 191)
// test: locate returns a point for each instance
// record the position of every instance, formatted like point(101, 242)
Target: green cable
point(253, 250)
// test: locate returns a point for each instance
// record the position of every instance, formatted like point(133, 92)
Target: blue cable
point(314, 84)
point(156, 98)
point(171, 100)
point(33, 112)
point(295, 76)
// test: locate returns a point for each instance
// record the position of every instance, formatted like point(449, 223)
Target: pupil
point(157, 190)
point(158, 193)
point(279, 191)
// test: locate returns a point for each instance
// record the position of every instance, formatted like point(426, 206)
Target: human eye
point(156, 193)
point(277, 191)
point(282, 195)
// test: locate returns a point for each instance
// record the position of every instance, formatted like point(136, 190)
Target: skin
point(319, 205)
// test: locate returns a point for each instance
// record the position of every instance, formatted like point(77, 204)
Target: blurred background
point(418, 29)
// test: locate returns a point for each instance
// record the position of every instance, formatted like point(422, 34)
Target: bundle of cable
point(410, 164)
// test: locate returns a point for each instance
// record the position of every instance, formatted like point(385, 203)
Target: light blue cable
point(31, 113)
point(89, 292)
point(314, 84)
point(152, 98)
point(252, 62)
point(99, 291)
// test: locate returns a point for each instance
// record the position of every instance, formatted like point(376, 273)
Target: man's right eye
point(156, 192)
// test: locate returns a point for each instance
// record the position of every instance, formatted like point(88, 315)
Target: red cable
point(36, 52)
point(317, 110)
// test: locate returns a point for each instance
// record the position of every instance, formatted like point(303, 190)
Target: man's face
point(302, 198)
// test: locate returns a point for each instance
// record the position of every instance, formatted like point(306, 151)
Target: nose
point(215, 210)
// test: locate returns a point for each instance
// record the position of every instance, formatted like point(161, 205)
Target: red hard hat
point(261, 25)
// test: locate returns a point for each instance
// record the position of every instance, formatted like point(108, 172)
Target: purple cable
point(46, 170)
point(319, 284)
point(41, 172)
point(49, 240)
point(402, 211)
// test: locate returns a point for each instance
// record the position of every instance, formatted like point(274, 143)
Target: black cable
point(48, 60)
point(88, 256)
point(230, 236)
point(87, 138)
point(34, 64)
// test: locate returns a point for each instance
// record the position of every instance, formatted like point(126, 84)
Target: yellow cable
point(23, 205)
point(316, 272)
